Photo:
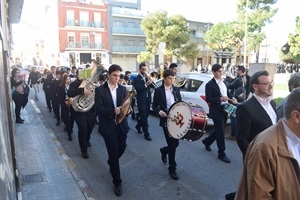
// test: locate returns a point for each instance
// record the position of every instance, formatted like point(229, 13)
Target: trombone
point(153, 84)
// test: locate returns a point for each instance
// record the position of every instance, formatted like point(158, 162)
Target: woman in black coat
point(64, 101)
point(20, 93)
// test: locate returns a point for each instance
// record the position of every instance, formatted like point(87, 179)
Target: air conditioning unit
point(76, 22)
point(92, 33)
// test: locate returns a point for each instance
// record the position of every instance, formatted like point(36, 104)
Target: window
point(97, 2)
point(71, 40)
point(118, 23)
point(84, 41)
point(131, 43)
point(195, 84)
point(118, 42)
point(130, 24)
point(69, 0)
point(84, 18)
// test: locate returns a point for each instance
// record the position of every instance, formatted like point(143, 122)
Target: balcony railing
point(128, 12)
point(84, 45)
point(126, 30)
point(128, 49)
point(84, 23)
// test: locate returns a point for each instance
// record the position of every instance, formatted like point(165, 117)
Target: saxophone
point(83, 103)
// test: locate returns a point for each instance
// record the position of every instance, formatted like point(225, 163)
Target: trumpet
point(148, 76)
point(45, 76)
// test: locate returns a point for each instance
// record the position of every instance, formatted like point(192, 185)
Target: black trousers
point(115, 146)
point(67, 117)
point(170, 149)
point(56, 107)
point(144, 110)
point(85, 122)
point(218, 133)
point(48, 97)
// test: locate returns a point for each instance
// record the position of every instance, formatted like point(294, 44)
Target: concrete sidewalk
point(44, 169)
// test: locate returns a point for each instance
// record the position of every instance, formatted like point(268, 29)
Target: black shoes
point(118, 190)
point(70, 138)
point(19, 121)
point(138, 129)
point(207, 147)
point(85, 155)
point(163, 155)
point(57, 122)
point(148, 138)
point(89, 144)
point(174, 175)
point(224, 158)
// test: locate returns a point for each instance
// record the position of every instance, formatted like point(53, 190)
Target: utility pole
point(246, 35)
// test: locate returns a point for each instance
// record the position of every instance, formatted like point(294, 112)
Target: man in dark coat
point(108, 103)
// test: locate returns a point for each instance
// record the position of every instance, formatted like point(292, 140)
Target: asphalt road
point(201, 175)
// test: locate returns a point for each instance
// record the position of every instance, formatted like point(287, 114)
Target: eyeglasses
point(267, 83)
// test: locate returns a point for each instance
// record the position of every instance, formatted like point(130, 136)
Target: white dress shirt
point(293, 142)
point(265, 103)
point(113, 91)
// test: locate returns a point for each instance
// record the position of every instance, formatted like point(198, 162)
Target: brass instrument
point(125, 107)
point(148, 76)
point(69, 101)
point(45, 76)
point(179, 81)
point(83, 103)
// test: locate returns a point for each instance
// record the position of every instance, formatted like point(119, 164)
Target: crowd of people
point(267, 136)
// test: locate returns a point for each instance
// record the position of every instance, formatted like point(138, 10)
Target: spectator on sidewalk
point(19, 93)
point(33, 81)
point(294, 82)
point(271, 164)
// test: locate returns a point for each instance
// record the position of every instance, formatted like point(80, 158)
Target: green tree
point(226, 36)
point(173, 31)
point(260, 13)
point(144, 57)
point(290, 52)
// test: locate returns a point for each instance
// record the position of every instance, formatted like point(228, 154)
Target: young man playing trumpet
point(108, 103)
point(142, 84)
point(164, 97)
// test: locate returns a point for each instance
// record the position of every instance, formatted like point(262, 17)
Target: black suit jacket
point(143, 94)
point(213, 97)
point(160, 101)
point(251, 120)
point(106, 110)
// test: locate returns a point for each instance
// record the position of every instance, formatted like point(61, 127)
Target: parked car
point(193, 90)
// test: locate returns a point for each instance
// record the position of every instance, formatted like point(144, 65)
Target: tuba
point(83, 103)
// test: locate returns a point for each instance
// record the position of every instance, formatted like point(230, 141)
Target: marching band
point(82, 95)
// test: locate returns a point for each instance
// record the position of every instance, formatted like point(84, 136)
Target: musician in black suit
point(217, 95)
point(142, 84)
point(164, 97)
point(256, 114)
point(85, 120)
point(108, 103)
point(46, 87)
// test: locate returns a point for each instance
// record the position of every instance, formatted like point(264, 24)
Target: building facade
point(125, 36)
point(82, 27)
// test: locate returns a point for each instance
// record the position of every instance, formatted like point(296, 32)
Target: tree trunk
point(257, 55)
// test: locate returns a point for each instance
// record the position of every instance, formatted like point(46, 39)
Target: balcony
point(128, 49)
point(84, 23)
point(84, 45)
point(127, 31)
point(128, 12)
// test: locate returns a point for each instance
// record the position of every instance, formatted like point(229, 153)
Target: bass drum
point(186, 121)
